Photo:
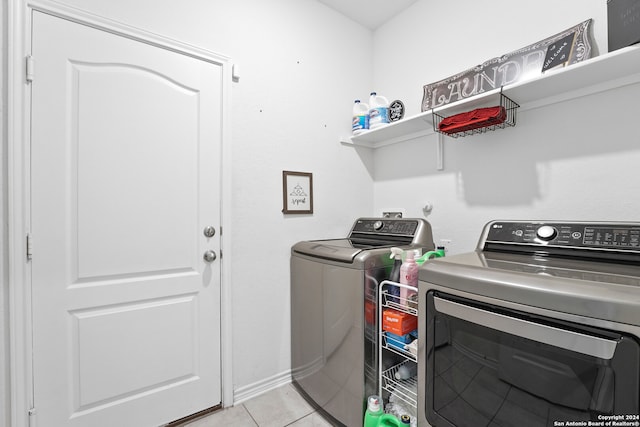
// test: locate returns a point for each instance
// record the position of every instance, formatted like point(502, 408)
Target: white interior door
point(125, 176)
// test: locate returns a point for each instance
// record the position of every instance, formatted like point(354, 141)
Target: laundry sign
point(566, 48)
point(297, 192)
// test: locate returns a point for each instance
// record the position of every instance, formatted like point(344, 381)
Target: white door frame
point(19, 209)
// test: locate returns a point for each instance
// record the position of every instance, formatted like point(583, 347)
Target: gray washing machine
point(334, 287)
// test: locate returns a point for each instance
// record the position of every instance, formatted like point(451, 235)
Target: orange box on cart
point(398, 322)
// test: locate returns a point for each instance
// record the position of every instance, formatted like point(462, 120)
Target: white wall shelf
point(605, 72)
point(402, 130)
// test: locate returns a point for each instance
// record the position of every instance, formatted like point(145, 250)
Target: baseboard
point(244, 393)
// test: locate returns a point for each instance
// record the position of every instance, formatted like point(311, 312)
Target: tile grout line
point(302, 417)
point(250, 415)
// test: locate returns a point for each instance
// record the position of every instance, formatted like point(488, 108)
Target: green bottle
point(388, 420)
point(374, 411)
point(375, 416)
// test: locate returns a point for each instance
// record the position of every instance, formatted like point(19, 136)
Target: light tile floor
point(277, 408)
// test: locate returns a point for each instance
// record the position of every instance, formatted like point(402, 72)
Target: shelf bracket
point(440, 152)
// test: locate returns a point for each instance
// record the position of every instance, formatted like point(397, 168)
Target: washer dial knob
point(546, 232)
point(377, 225)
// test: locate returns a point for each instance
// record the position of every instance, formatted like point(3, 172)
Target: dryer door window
point(490, 366)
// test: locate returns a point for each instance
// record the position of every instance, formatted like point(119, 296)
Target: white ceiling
point(370, 13)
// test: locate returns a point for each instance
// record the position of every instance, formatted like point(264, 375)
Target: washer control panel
point(386, 226)
point(576, 235)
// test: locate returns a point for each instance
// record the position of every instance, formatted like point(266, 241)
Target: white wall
point(301, 66)
point(569, 161)
point(4, 305)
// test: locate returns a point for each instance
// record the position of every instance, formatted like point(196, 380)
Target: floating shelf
point(605, 72)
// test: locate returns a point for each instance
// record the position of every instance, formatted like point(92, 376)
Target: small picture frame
point(297, 192)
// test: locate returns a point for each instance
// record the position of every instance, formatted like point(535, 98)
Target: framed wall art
point(297, 192)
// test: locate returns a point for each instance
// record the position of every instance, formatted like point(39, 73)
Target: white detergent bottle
point(406, 371)
point(360, 122)
point(378, 111)
point(408, 276)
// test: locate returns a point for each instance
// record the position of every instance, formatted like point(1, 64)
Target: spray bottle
point(408, 276)
point(394, 291)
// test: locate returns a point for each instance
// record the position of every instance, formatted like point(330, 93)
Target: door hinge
point(29, 68)
point(235, 73)
point(32, 417)
point(29, 247)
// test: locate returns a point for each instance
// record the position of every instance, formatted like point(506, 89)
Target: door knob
point(209, 231)
point(209, 256)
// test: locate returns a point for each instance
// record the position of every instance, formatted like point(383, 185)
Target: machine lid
point(370, 237)
point(345, 250)
point(601, 290)
point(590, 269)
point(335, 249)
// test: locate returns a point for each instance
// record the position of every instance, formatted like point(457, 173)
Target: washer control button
point(546, 232)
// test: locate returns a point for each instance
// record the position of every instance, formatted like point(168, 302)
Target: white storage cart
point(402, 391)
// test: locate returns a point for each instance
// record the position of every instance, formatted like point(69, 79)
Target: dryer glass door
point(489, 366)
